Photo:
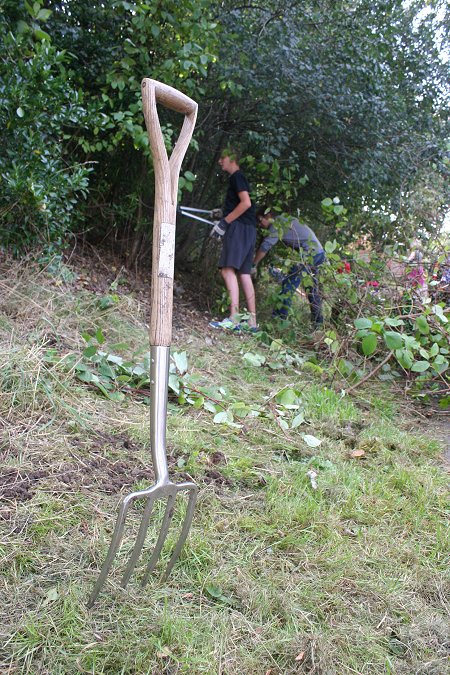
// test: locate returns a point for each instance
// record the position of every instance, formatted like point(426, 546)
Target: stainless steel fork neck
point(159, 380)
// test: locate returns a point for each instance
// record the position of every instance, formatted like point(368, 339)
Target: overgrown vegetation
point(358, 107)
point(319, 540)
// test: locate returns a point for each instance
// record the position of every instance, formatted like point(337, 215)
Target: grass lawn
point(319, 546)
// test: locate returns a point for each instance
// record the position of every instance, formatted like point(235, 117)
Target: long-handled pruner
point(191, 212)
point(166, 188)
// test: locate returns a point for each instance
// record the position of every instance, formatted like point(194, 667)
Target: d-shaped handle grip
point(166, 187)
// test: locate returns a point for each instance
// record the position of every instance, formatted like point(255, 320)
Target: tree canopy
point(325, 98)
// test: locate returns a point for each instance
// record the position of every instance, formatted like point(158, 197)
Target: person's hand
point(217, 213)
point(254, 272)
point(218, 229)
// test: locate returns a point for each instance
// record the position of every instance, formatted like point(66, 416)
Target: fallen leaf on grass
point(164, 653)
point(312, 475)
point(300, 656)
point(311, 441)
point(357, 453)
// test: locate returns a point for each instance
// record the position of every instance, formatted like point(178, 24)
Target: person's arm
point(259, 255)
point(268, 242)
point(244, 204)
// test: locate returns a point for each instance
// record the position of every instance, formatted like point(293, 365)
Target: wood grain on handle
point(167, 172)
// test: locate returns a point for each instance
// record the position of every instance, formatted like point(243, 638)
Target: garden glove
point(218, 230)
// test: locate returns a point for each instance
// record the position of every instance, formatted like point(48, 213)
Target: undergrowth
point(319, 540)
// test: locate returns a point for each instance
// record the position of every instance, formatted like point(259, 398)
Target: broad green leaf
point(116, 396)
point(434, 349)
point(210, 406)
point(298, 419)
point(85, 376)
point(422, 325)
point(254, 359)
point(41, 35)
point(106, 371)
point(369, 344)
point(311, 441)
point(180, 360)
point(394, 322)
point(440, 365)
point(174, 383)
point(113, 358)
point(90, 351)
point(222, 417)
point(410, 342)
point(393, 340)
point(99, 337)
point(404, 357)
point(287, 397)
point(43, 14)
point(420, 366)
point(363, 323)
point(198, 403)
point(438, 310)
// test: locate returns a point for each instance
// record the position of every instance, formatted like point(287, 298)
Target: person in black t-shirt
point(239, 238)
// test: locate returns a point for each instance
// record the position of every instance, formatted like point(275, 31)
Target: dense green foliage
point(324, 99)
point(42, 182)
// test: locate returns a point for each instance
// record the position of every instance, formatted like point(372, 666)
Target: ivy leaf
point(369, 344)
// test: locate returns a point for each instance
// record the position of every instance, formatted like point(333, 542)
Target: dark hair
point(263, 211)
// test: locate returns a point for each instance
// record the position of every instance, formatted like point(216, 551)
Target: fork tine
point(140, 539)
point(114, 545)
point(167, 519)
point(192, 488)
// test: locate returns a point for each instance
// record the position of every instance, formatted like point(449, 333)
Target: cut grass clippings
point(277, 576)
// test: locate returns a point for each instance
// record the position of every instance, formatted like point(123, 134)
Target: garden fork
point(166, 189)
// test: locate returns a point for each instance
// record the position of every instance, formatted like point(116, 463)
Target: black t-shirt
point(238, 183)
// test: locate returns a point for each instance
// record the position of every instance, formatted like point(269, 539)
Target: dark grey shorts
point(238, 247)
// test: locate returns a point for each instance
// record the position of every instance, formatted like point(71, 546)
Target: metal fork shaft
point(159, 382)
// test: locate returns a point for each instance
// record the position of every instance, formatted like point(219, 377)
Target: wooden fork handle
point(167, 172)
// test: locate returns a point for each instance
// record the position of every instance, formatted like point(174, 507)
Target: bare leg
point(249, 292)
point(231, 282)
